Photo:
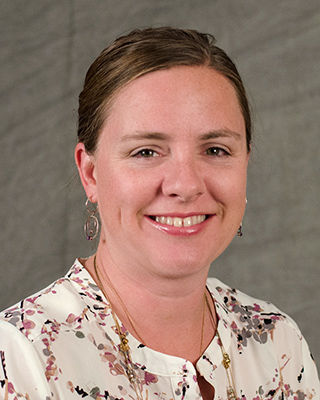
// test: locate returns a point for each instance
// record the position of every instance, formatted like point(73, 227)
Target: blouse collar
point(146, 358)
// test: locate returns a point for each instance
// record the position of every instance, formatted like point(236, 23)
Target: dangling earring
point(239, 232)
point(91, 226)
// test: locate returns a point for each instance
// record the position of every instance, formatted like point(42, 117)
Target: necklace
point(231, 392)
point(124, 345)
point(125, 348)
point(113, 289)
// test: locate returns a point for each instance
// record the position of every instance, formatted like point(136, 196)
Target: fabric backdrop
point(46, 48)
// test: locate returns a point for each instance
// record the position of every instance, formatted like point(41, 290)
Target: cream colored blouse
point(61, 343)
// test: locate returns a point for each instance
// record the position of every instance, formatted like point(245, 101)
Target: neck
point(158, 307)
point(164, 296)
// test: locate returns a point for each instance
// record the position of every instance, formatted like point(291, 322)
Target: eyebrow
point(163, 136)
point(145, 135)
point(221, 133)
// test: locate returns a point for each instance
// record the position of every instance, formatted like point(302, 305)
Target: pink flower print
point(71, 318)
point(234, 326)
point(77, 280)
point(108, 357)
point(10, 388)
point(256, 307)
point(76, 270)
point(70, 386)
point(102, 315)
point(45, 341)
point(117, 369)
point(27, 324)
point(149, 378)
point(32, 299)
point(51, 369)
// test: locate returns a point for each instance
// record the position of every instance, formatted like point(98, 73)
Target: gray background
point(46, 48)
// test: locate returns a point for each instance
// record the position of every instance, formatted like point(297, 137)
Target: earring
point(239, 232)
point(91, 226)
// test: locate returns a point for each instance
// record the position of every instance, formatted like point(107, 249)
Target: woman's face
point(169, 173)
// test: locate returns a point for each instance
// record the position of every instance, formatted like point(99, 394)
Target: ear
point(86, 168)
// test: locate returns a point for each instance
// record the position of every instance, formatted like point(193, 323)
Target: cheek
point(238, 191)
point(124, 193)
point(229, 186)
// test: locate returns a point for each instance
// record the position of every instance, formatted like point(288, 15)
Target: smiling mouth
point(180, 222)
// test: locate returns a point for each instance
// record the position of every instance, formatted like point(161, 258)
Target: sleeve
point(22, 374)
point(297, 369)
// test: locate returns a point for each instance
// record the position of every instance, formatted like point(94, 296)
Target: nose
point(184, 181)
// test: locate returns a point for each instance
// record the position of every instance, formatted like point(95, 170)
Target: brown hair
point(141, 52)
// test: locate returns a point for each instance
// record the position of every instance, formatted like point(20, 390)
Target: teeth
point(187, 221)
point(179, 222)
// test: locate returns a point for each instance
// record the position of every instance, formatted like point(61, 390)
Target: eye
point(217, 151)
point(145, 153)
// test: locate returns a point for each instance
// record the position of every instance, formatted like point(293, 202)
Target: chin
point(175, 267)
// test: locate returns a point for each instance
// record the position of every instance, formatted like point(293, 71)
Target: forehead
point(188, 98)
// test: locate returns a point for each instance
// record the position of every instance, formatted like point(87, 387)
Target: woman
point(164, 143)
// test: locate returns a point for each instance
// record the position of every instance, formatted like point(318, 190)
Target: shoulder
point(234, 300)
point(50, 307)
point(250, 317)
point(264, 335)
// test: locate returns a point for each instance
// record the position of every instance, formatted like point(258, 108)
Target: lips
point(181, 225)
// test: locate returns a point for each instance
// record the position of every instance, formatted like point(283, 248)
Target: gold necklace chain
point(113, 289)
point(202, 324)
point(124, 345)
point(125, 349)
point(226, 361)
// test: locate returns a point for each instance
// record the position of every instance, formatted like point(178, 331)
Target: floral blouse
point(61, 343)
